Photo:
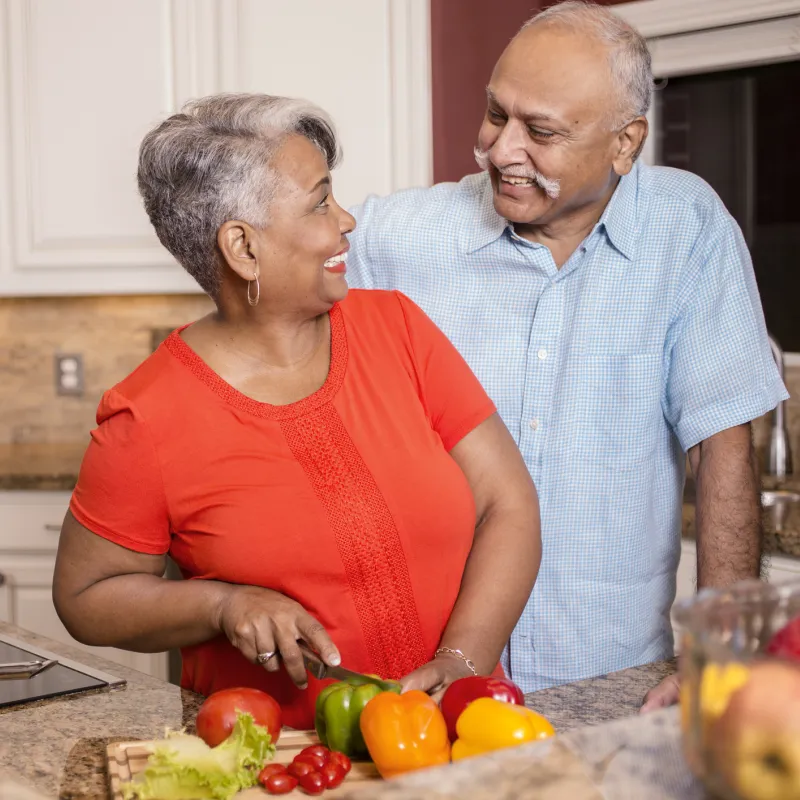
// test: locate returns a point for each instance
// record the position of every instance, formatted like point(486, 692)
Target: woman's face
point(301, 252)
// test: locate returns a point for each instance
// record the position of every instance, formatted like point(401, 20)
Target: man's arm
point(728, 508)
point(727, 523)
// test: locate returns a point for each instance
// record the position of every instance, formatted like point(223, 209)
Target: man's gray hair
point(629, 56)
point(210, 163)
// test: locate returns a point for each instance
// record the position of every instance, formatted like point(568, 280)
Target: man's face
point(550, 105)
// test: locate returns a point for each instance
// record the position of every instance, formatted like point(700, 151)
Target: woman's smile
point(338, 263)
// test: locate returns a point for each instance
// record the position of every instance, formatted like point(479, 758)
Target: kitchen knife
point(320, 670)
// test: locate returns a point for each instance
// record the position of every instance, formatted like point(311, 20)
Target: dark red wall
point(467, 37)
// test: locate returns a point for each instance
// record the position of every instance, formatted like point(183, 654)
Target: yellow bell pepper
point(717, 684)
point(404, 732)
point(487, 724)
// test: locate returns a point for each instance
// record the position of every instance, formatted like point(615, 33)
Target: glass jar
point(724, 633)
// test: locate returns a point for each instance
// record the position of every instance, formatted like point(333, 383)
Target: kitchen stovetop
point(62, 678)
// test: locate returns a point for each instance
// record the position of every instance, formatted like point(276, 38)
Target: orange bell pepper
point(404, 732)
point(487, 724)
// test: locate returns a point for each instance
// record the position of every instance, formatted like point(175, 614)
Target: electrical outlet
point(69, 374)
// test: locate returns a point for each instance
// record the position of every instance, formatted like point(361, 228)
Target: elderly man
point(611, 311)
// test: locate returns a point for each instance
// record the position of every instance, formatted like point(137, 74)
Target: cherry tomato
point(341, 759)
point(217, 715)
point(280, 783)
point(300, 768)
point(271, 769)
point(312, 783)
point(316, 750)
point(333, 775)
point(318, 762)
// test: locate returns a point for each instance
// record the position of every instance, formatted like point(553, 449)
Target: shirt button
point(542, 354)
point(534, 423)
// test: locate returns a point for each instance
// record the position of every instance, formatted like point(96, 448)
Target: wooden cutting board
point(127, 759)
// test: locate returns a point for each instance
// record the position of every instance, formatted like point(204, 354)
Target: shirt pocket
point(617, 408)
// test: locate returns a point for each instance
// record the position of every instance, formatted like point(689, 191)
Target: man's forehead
point(550, 73)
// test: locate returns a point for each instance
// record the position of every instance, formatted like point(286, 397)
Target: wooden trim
point(410, 93)
point(656, 18)
point(732, 47)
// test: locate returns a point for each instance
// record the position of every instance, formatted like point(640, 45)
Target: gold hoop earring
point(250, 299)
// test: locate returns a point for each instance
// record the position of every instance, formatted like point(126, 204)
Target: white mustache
point(550, 186)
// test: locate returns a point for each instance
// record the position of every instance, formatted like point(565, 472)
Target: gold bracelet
point(458, 654)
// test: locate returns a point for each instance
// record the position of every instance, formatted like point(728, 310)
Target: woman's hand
point(435, 676)
point(257, 620)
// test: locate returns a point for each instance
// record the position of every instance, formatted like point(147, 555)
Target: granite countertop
point(782, 539)
point(41, 466)
point(57, 747)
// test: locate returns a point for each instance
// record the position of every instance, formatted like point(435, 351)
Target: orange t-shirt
point(347, 501)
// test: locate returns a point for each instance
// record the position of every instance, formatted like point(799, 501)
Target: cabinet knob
point(53, 528)
point(2, 579)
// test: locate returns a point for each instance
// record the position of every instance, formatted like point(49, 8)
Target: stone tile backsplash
point(112, 334)
point(115, 334)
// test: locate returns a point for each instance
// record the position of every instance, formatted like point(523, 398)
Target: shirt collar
point(620, 218)
point(489, 225)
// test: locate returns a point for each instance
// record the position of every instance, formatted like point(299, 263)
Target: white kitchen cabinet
point(29, 525)
point(780, 568)
point(82, 81)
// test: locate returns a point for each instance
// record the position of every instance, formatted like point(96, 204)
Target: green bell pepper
point(338, 713)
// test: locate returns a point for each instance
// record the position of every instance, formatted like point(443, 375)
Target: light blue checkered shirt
point(648, 340)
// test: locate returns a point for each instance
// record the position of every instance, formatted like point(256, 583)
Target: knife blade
point(320, 670)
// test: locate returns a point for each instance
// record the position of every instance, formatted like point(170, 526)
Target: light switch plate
point(69, 374)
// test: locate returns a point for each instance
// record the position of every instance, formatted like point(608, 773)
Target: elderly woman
point(322, 466)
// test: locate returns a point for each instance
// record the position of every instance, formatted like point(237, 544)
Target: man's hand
point(665, 694)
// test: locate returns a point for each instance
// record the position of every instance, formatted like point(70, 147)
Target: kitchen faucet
point(779, 457)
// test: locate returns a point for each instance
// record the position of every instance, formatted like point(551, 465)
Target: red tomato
point(217, 715)
point(462, 692)
point(316, 750)
point(271, 769)
point(333, 775)
point(300, 768)
point(313, 783)
point(318, 762)
point(341, 759)
point(280, 783)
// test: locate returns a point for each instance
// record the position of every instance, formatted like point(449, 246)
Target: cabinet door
point(80, 84)
point(30, 521)
point(29, 581)
point(783, 568)
point(779, 569)
point(686, 582)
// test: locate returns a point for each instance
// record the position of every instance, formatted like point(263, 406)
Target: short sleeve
point(120, 494)
point(454, 399)
point(720, 368)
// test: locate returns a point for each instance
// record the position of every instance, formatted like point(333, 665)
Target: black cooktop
point(65, 677)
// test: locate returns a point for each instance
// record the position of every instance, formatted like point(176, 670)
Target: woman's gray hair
point(629, 56)
point(210, 163)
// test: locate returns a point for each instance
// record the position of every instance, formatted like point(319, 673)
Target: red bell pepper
point(462, 692)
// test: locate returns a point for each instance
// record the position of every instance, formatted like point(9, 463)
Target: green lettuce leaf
point(184, 767)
